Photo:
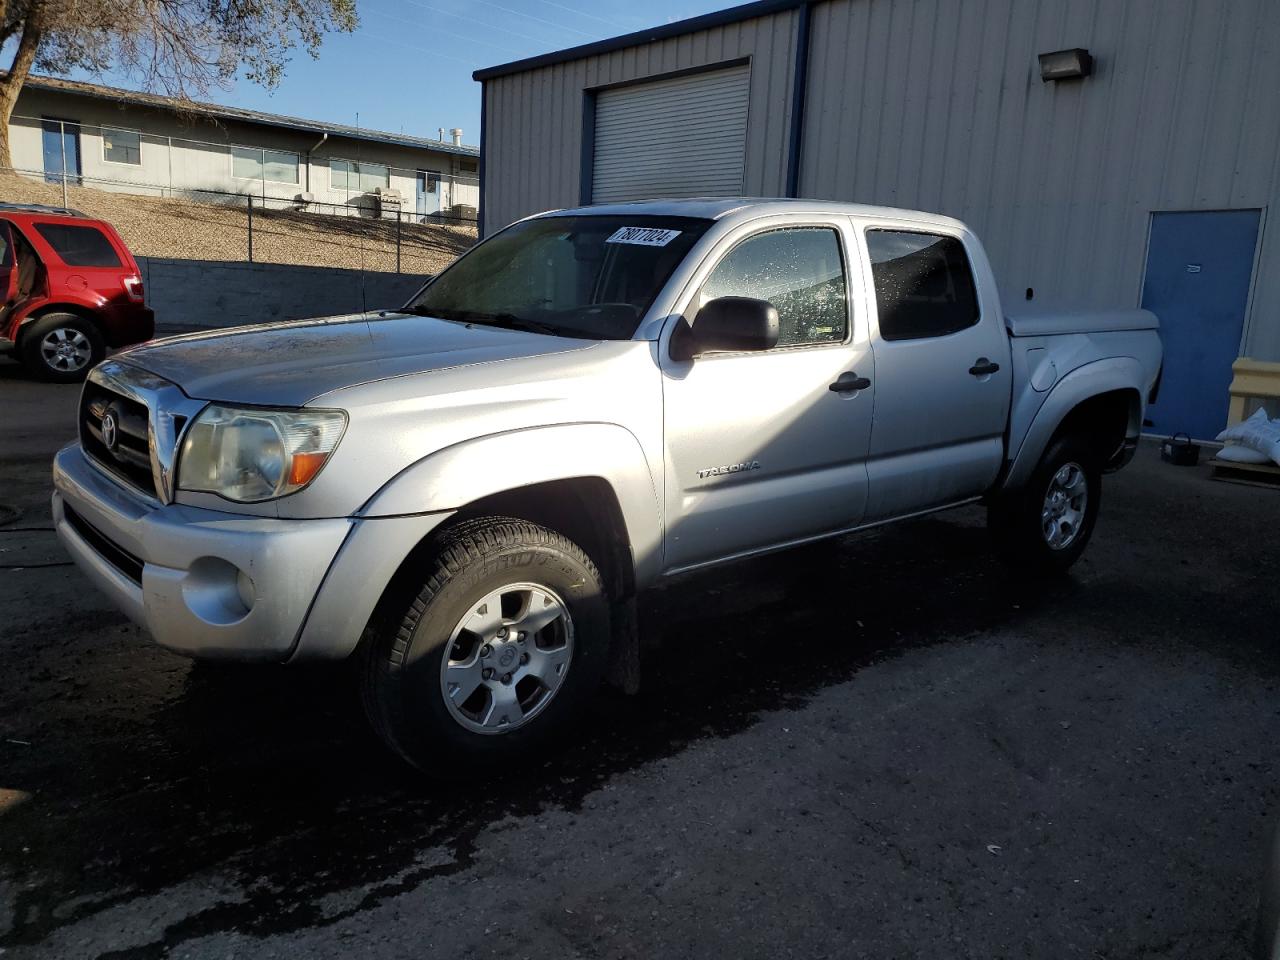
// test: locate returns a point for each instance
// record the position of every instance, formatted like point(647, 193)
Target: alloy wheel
point(1065, 502)
point(65, 349)
point(507, 658)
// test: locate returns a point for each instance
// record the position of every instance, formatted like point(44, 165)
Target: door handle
point(849, 383)
point(984, 367)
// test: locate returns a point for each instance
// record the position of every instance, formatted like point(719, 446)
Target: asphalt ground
point(892, 748)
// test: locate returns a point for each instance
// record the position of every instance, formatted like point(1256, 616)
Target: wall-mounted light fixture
point(1065, 65)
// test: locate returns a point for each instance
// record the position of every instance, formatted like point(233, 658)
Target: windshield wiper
point(507, 320)
point(513, 322)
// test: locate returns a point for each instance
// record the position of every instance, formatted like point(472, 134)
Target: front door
point(61, 150)
point(942, 375)
point(761, 450)
point(428, 193)
point(1199, 268)
point(8, 275)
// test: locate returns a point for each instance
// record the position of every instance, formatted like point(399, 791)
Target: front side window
point(587, 276)
point(924, 286)
point(79, 246)
point(121, 146)
point(251, 163)
point(799, 271)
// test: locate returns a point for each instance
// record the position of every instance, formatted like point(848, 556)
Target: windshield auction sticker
point(643, 236)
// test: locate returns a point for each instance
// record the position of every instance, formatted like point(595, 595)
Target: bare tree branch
point(180, 48)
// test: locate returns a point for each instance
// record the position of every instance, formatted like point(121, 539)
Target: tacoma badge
point(731, 468)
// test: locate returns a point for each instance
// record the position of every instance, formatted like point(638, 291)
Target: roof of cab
point(718, 208)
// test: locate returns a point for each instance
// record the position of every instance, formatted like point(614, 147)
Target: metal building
point(1143, 174)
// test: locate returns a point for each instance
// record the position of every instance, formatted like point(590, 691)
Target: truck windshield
point(586, 276)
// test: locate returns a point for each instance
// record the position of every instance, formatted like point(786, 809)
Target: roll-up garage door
point(684, 137)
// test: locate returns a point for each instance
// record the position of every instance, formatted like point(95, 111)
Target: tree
point(180, 48)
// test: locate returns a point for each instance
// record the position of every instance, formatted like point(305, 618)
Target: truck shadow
point(270, 776)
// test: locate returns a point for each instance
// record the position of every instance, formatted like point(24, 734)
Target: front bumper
point(204, 583)
point(228, 586)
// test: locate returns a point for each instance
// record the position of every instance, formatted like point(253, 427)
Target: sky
point(407, 68)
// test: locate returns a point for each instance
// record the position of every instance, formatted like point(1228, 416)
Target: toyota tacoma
point(468, 493)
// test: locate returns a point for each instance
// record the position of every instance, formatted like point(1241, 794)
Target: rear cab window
point(924, 284)
point(79, 245)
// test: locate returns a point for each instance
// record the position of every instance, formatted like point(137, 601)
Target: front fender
point(1090, 380)
point(455, 476)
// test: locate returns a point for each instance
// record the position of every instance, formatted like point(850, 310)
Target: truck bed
point(1049, 323)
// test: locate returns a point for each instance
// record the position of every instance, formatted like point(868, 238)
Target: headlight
point(251, 455)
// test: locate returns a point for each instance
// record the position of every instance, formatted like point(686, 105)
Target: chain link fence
point(357, 217)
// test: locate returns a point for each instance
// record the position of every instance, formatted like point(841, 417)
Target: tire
point(551, 670)
point(62, 347)
point(1024, 524)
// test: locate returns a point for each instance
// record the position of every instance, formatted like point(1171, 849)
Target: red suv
point(69, 289)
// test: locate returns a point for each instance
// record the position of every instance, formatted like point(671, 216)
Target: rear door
point(1199, 271)
point(942, 376)
point(91, 260)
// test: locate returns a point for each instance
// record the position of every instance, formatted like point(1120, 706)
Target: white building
point(1121, 152)
point(142, 143)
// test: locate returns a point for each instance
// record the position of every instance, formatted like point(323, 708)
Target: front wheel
point(1044, 527)
point(505, 640)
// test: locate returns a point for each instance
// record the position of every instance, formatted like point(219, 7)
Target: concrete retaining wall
point(198, 294)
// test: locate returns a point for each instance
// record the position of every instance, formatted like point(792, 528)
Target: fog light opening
point(218, 592)
point(244, 587)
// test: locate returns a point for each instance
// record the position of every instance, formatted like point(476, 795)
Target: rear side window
point(924, 286)
point(6, 249)
point(79, 246)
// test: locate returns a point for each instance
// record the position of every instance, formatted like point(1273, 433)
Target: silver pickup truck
point(471, 491)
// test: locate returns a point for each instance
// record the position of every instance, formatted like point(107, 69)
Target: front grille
point(117, 556)
point(123, 447)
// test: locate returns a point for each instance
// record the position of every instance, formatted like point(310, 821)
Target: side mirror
point(729, 324)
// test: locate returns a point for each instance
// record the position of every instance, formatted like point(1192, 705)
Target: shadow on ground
point(148, 772)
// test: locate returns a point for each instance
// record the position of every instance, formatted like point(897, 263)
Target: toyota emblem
point(109, 431)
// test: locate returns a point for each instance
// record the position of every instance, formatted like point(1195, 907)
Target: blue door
point(61, 140)
point(1199, 266)
point(428, 193)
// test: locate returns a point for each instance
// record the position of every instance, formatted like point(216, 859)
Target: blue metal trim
point(720, 18)
point(799, 87)
point(586, 164)
point(480, 164)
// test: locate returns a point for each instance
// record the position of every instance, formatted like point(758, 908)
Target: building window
point(251, 163)
point(924, 287)
point(121, 146)
point(799, 271)
point(354, 177)
point(469, 166)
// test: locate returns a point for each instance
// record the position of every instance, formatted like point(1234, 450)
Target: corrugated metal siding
point(684, 137)
point(533, 122)
point(938, 105)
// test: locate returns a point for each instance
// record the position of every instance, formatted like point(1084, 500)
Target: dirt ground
point(890, 749)
point(161, 227)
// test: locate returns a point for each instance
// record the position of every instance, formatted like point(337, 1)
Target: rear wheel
point(62, 347)
point(504, 640)
point(1045, 527)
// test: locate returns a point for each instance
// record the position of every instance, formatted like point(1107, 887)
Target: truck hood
point(288, 364)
